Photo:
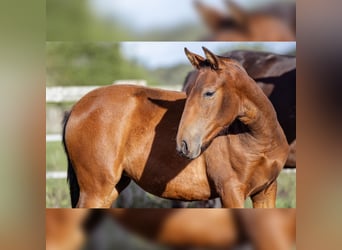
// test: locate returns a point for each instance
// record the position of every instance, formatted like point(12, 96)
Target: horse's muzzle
point(183, 150)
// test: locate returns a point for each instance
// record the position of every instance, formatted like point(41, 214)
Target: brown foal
point(118, 133)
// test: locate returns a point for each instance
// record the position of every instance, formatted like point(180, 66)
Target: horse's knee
point(102, 194)
point(265, 198)
point(232, 195)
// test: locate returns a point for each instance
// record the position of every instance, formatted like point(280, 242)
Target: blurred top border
point(168, 20)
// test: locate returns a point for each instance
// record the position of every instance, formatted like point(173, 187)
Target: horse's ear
point(236, 12)
point(211, 17)
point(214, 61)
point(196, 60)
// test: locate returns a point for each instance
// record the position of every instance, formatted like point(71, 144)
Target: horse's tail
point(71, 178)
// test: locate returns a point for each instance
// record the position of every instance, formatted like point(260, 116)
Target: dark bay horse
point(269, 23)
point(118, 133)
point(276, 75)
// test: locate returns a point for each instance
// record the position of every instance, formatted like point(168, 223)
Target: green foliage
point(183, 32)
point(75, 21)
point(102, 63)
point(286, 193)
point(172, 75)
point(55, 157)
point(67, 19)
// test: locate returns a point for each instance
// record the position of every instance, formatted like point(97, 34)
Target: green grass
point(55, 157)
point(57, 194)
point(286, 194)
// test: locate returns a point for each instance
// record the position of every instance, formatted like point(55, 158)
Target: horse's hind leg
point(266, 198)
point(97, 199)
point(100, 188)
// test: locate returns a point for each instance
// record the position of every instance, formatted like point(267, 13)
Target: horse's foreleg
point(266, 198)
point(232, 196)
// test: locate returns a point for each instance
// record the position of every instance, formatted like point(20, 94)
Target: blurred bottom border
point(170, 229)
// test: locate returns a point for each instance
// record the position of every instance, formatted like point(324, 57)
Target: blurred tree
point(70, 63)
point(75, 21)
point(173, 75)
point(67, 19)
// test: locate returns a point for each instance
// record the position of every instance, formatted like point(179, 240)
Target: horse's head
point(212, 104)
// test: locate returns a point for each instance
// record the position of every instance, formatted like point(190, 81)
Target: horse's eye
point(209, 93)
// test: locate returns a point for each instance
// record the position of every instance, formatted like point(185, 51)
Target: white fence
point(60, 94)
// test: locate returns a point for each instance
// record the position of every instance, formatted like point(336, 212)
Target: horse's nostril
point(184, 147)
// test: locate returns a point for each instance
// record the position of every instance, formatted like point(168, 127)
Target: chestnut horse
point(118, 133)
point(267, 24)
point(276, 76)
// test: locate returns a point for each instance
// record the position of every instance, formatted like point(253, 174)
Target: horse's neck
point(259, 115)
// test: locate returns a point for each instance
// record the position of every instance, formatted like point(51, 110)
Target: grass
point(55, 157)
point(57, 193)
point(286, 195)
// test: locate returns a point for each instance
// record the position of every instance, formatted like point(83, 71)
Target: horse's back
point(106, 114)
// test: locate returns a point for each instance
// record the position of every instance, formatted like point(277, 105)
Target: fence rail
point(56, 175)
point(53, 137)
point(58, 94)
